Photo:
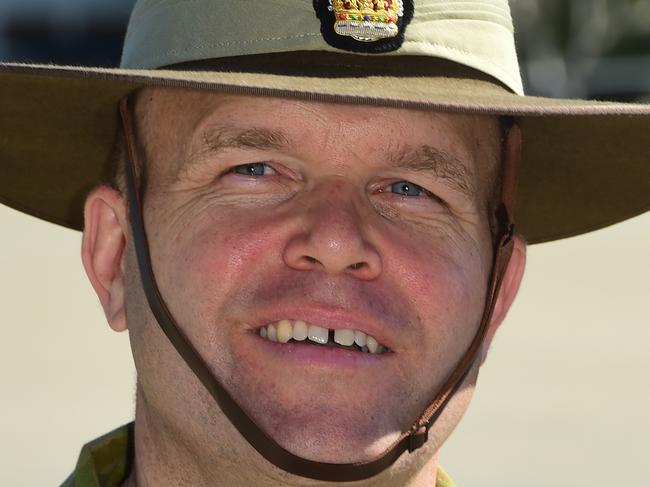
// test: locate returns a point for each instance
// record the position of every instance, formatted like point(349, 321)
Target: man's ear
point(102, 251)
point(509, 287)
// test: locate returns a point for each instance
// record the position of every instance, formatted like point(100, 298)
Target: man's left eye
point(406, 188)
point(254, 169)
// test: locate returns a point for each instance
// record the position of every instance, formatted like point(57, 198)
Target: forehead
point(186, 109)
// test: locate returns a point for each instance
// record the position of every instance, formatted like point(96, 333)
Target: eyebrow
point(425, 158)
point(218, 138)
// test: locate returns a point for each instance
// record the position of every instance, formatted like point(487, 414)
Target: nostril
point(358, 265)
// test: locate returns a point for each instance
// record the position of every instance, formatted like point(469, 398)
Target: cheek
point(220, 259)
point(445, 287)
point(444, 281)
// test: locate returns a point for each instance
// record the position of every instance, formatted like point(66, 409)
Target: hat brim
point(585, 164)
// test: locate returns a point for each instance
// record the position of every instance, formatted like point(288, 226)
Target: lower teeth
point(331, 343)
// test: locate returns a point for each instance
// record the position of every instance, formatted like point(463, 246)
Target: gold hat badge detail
point(367, 20)
point(372, 26)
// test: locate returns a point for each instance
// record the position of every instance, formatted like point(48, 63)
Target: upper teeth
point(284, 330)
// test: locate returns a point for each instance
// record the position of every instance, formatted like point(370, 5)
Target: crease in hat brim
point(585, 164)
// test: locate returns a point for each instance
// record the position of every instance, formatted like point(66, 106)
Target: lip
point(333, 319)
point(312, 355)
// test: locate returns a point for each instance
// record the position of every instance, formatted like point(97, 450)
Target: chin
point(335, 444)
point(333, 431)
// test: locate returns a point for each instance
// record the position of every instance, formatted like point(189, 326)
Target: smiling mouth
point(299, 331)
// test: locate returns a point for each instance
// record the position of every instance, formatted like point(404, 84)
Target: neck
point(165, 458)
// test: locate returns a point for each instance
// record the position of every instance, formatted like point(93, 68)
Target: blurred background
point(563, 399)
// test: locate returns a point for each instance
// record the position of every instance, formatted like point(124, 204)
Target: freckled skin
point(226, 248)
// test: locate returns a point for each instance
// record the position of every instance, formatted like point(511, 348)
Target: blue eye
point(254, 169)
point(405, 188)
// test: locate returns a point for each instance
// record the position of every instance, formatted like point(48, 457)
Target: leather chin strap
point(409, 440)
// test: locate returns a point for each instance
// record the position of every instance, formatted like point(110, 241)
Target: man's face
point(346, 217)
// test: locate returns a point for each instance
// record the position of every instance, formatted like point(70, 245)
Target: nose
point(332, 235)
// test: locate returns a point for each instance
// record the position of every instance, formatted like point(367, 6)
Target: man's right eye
point(253, 169)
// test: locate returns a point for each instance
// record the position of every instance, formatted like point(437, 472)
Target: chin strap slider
point(510, 232)
point(419, 435)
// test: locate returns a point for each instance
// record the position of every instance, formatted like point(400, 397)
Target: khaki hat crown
point(477, 33)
